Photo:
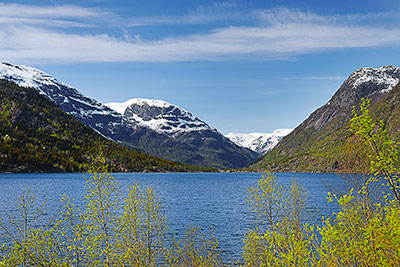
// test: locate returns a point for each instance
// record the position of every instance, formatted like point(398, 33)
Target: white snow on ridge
point(61, 93)
point(164, 118)
point(67, 97)
point(259, 142)
point(381, 75)
point(27, 76)
point(121, 107)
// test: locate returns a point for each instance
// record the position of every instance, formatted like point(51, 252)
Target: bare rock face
point(153, 126)
point(185, 131)
point(160, 116)
point(372, 83)
point(88, 110)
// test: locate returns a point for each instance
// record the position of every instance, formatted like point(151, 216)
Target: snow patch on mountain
point(178, 135)
point(259, 142)
point(159, 115)
point(385, 75)
point(121, 107)
point(88, 110)
point(27, 76)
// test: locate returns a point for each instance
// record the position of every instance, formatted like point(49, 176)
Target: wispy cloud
point(62, 11)
point(283, 15)
point(64, 16)
point(217, 12)
point(38, 35)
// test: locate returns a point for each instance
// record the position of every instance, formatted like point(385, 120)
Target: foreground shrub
point(108, 230)
point(366, 230)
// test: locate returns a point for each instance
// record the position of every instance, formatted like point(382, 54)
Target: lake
point(190, 199)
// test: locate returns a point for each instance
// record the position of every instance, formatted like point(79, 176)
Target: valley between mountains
point(58, 118)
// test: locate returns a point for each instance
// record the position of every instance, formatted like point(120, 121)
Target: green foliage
point(37, 136)
point(266, 200)
point(285, 242)
point(365, 232)
point(142, 236)
point(114, 231)
point(195, 249)
point(384, 158)
point(359, 235)
point(326, 149)
point(108, 230)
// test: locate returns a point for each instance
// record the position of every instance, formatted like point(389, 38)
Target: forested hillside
point(322, 142)
point(37, 136)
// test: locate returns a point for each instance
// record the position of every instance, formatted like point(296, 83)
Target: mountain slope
point(314, 145)
point(37, 136)
point(191, 140)
point(259, 142)
point(201, 148)
point(159, 115)
point(89, 111)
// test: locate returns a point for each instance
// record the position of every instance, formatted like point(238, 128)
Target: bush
point(108, 231)
point(365, 232)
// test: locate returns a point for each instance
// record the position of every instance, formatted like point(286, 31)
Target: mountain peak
point(154, 126)
point(259, 142)
point(365, 82)
point(28, 77)
point(120, 107)
point(324, 128)
point(159, 115)
point(387, 76)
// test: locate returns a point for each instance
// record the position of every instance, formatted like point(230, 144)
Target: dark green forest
point(37, 136)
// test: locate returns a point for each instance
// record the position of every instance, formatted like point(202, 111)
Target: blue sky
point(242, 66)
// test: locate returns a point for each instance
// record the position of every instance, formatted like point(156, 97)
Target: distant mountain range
point(259, 142)
point(316, 144)
point(37, 136)
point(152, 126)
point(167, 131)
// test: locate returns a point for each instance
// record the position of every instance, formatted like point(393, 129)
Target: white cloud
point(217, 12)
point(283, 15)
point(282, 34)
point(43, 22)
point(63, 11)
point(64, 16)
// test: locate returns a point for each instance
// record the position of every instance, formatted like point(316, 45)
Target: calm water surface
point(190, 199)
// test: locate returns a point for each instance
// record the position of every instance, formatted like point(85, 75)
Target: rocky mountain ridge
point(259, 142)
point(204, 146)
point(37, 136)
point(159, 115)
point(306, 148)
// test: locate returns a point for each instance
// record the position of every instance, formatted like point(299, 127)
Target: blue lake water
point(204, 200)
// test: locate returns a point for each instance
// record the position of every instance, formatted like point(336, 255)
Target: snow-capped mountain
point(88, 110)
point(315, 134)
point(365, 82)
point(159, 115)
point(155, 127)
point(372, 83)
point(385, 76)
point(171, 120)
point(259, 142)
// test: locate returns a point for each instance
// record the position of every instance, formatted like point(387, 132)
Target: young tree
point(286, 241)
point(384, 156)
point(107, 230)
point(266, 200)
point(142, 229)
